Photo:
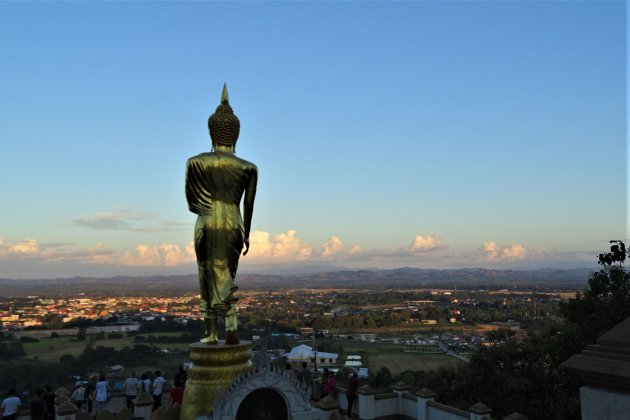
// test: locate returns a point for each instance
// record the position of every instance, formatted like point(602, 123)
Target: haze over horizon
point(398, 134)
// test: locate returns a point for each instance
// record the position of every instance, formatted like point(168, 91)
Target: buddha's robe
point(215, 184)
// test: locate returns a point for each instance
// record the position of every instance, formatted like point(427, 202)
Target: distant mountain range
point(465, 278)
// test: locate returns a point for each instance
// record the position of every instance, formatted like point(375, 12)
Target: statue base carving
point(214, 367)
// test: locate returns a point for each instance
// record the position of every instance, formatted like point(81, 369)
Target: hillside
point(570, 279)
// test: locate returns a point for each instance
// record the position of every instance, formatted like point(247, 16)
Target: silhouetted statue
point(215, 185)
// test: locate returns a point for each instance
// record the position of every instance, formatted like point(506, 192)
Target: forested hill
point(569, 279)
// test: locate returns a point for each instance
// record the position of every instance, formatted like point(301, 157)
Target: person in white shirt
point(158, 385)
point(78, 396)
point(10, 406)
point(101, 394)
point(145, 383)
point(132, 385)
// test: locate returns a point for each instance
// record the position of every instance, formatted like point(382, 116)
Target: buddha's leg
point(231, 333)
point(211, 329)
point(210, 318)
point(203, 244)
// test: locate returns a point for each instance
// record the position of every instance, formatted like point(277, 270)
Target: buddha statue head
point(223, 125)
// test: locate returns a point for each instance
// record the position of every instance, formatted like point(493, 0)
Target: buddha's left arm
point(248, 206)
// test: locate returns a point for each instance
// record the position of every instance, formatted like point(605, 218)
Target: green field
point(51, 349)
point(391, 356)
point(378, 354)
point(404, 361)
point(351, 346)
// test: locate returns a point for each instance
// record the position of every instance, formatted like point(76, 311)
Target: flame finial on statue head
point(224, 95)
point(223, 125)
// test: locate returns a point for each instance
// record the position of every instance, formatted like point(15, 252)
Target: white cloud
point(165, 254)
point(31, 257)
point(29, 250)
point(515, 251)
point(332, 247)
point(283, 247)
point(355, 250)
point(492, 252)
point(424, 244)
point(25, 247)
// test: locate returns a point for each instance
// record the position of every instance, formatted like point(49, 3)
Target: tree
point(383, 378)
point(528, 377)
point(11, 349)
point(607, 300)
point(82, 333)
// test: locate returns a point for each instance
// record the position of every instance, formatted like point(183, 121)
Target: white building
point(304, 353)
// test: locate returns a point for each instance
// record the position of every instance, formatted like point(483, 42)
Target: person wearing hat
point(216, 182)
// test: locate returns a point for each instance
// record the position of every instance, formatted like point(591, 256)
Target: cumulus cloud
point(515, 251)
point(426, 243)
point(355, 250)
point(282, 247)
point(33, 258)
point(332, 247)
point(128, 220)
point(32, 249)
point(24, 247)
point(492, 252)
point(165, 254)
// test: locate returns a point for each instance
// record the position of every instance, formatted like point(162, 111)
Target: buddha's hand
point(246, 242)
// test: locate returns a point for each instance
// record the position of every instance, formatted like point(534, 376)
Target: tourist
point(49, 397)
point(177, 393)
point(306, 377)
point(324, 383)
point(331, 385)
point(78, 395)
point(181, 376)
point(351, 391)
point(317, 385)
point(145, 383)
point(101, 394)
point(158, 385)
point(131, 385)
point(10, 405)
point(88, 398)
point(288, 370)
point(38, 406)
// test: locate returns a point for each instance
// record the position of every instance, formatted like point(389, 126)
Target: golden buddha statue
point(215, 185)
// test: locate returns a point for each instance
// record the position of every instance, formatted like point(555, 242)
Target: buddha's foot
point(210, 340)
point(231, 337)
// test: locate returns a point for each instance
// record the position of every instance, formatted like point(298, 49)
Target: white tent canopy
point(304, 352)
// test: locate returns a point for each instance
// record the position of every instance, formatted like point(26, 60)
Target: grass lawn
point(401, 362)
point(351, 346)
point(51, 349)
point(391, 356)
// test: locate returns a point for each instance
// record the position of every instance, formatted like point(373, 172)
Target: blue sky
point(387, 134)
